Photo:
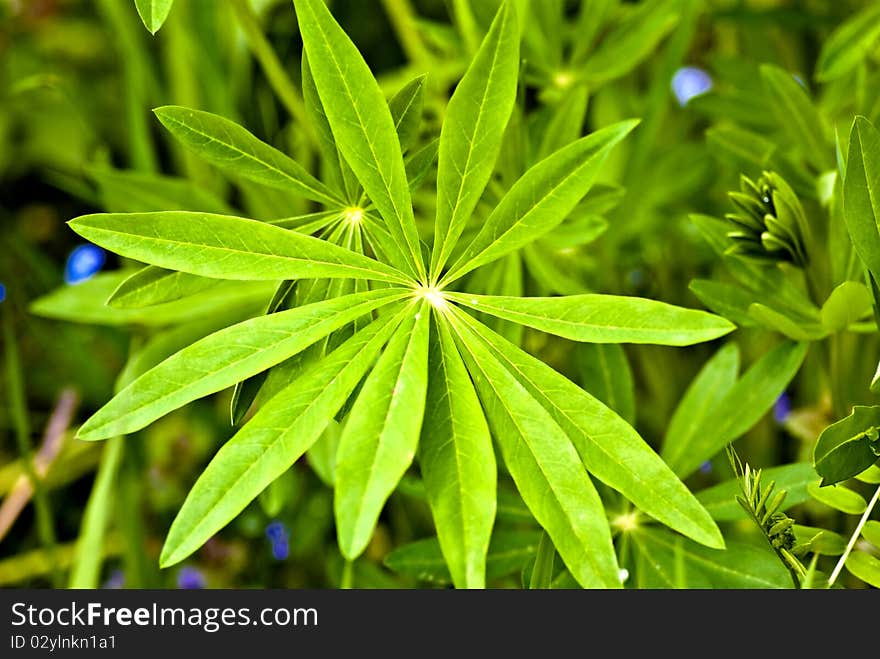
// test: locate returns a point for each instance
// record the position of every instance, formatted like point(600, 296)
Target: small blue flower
point(275, 530)
point(83, 263)
point(190, 578)
point(116, 580)
point(690, 81)
point(706, 467)
point(2, 292)
point(782, 408)
point(280, 549)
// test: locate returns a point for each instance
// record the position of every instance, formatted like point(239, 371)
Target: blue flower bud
point(280, 549)
point(690, 81)
point(83, 263)
point(276, 530)
point(706, 467)
point(2, 292)
point(782, 408)
point(190, 578)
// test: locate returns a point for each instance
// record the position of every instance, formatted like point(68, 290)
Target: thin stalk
point(542, 571)
point(347, 582)
point(855, 536)
point(403, 20)
point(19, 414)
point(272, 66)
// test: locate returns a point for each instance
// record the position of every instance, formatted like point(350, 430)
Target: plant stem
point(542, 571)
point(271, 65)
point(347, 582)
point(19, 414)
point(855, 536)
point(403, 20)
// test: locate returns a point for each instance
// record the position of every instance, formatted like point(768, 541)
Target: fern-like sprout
point(764, 508)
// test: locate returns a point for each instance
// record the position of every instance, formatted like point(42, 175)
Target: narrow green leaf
point(127, 191)
point(734, 413)
point(153, 12)
point(849, 44)
point(861, 193)
point(84, 303)
point(226, 247)
point(609, 447)
point(566, 124)
point(720, 500)
point(379, 440)
point(423, 559)
point(457, 462)
point(232, 148)
point(276, 437)
point(848, 447)
point(224, 358)
point(472, 131)
point(605, 373)
point(544, 465)
point(740, 565)
point(864, 566)
point(712, 384)
point(838, 497)
point(796, 330)
point(541, 199)
point(847, 304)
point(796, 115)
point(362, 124)
point(153, 285)
point(726, 300)
point(87, 560)
point(604, 318)
point(406, 110)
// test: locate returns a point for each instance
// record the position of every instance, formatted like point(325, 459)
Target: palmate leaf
point(361, 123)
point(380, 437)
point(603, 318)
point(610, 448)
point(457, 462)
point(544, 465)
point(233, 149)
point(276, 437)
point(473, 127)
point(226, 247)
point(540, 200)
point(224, 358)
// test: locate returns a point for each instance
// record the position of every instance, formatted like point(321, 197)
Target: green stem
point(852, 540)
point(347, 582)
point(19, 414)
point(542, 571)
point(271, 65)
point(403, 20)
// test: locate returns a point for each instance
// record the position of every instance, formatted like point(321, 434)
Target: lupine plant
point(439, 323)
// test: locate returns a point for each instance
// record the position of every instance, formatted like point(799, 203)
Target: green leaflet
point(566, 124)
point(838, 497)
point(544, 465)
point(472, 131)
point(226, 247)
point(740, 565)
point(604, 318)
point(126, 191)
point(848, 447)
point(796, 115)
point(457, 462)
point(864, 566)
point(726, 300)
point(720, 500)
point(153, 285)
point(276, 437)
point(508, 553)
point(84, 303)
point(540, 200)
point(861, 193)
point(727, 411)
point(606, 374)
point(609, 447)
point(631, 41)
point(153, 12)
point(224, 358)
point(406, 110)
point(848, 303)
point(361, 123)
point(379, 440)
point(849, 44)
point(233, 149)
